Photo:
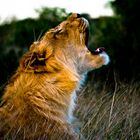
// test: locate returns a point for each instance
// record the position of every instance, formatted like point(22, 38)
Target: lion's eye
point(59, 31)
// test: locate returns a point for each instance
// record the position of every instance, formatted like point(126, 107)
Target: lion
point(39, 100)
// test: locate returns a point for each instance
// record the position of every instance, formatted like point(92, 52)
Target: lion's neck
point(68, 58)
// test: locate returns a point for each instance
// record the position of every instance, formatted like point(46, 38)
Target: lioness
point(39, 99)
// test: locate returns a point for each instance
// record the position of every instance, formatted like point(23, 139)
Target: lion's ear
point(33, 62)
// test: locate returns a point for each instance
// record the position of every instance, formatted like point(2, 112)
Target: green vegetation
point(107, 110)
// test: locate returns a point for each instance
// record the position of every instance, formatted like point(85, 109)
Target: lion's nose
point(74, 15)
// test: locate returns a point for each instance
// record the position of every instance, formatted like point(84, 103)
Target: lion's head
point(64, 45)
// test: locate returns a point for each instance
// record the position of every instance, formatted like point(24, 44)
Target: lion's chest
point(73, 99)
point(71, 107)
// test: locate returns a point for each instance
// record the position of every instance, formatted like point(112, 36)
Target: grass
point(109, 115)
point(109, 112)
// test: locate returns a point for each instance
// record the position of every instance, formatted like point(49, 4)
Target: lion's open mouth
point(97, 51)
point(86, 30)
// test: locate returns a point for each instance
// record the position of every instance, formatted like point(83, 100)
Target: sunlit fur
point(39, 99)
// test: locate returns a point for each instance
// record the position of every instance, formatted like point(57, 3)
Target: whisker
point(34, 35)
point(39, 35)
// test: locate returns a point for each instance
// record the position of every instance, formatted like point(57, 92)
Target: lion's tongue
point(97, 51)
point(100, 50)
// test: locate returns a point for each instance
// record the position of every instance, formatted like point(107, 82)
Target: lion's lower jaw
point(105, 57)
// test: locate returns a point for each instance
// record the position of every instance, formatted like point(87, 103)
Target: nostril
point(78, 15)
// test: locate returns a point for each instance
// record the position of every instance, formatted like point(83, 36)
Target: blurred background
point(114, 25)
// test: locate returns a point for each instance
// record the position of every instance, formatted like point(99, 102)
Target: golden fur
point(38, 101)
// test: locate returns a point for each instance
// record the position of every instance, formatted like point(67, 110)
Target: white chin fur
point(105, 57)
